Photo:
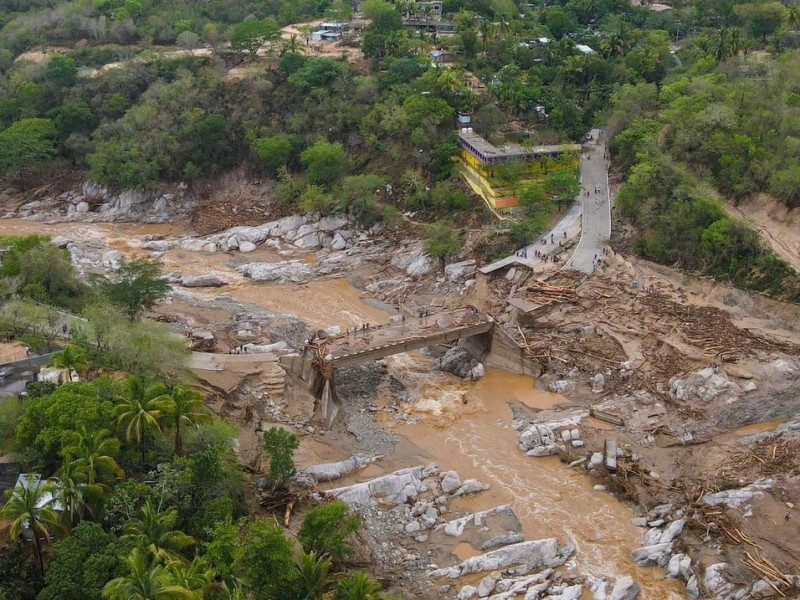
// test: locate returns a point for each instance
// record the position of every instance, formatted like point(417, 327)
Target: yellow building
point(495, 173)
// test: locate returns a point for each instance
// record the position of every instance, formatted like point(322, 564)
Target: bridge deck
point(412, 334)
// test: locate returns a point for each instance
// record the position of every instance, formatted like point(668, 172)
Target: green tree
point(358, 586)
point(141, 409)
point(325, 163)
point(74, 491)
point(563, 186)
point(248, 36)
point(441, 240)
point(272, 152)
point(30, 507)
point(49, 423)
point(314, 199)
point(531, 196)
point(61, 70)
point(279, 446)
point(785, 184)
point(326, 529)
point(72, 358)
point(95, 452)
point(81, 564)
point(156, 532)
point(761, 19)
point(26, 144)
point(264, 559)
point(136, 286)
point(145, 582)
point(312, 576)
point(47, 268)
point(197, 576)
point(187, 409)
point(375, 9)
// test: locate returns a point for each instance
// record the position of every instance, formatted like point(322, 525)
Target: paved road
point(596, 219)
point(549, 244)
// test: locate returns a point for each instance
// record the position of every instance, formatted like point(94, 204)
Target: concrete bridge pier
point(307, 390)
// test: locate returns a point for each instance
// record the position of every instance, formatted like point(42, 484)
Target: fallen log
point(607, 417)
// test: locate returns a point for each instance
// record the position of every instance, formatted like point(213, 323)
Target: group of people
point(598, 260)
point(363, 328)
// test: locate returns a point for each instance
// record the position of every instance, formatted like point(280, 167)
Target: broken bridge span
point(312, 373)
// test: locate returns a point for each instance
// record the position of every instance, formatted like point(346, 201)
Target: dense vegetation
point(134, 490)
point(725, 124)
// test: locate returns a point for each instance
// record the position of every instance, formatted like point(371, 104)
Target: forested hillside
point(725, 127)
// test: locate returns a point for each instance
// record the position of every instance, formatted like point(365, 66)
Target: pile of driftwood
point(542, 292)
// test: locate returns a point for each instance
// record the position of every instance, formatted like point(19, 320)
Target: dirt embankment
point(779, 227)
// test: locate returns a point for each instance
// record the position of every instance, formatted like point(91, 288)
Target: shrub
point(326, 528)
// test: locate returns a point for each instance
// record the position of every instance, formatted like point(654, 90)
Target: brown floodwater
point(319, 303)
point(460, 425)
point(466, 427)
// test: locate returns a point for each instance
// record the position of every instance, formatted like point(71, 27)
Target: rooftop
point(489, 150)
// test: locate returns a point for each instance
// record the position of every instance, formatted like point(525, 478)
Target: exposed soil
point(646, 329)
point(779, 227)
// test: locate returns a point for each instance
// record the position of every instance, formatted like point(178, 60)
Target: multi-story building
point(495, 173)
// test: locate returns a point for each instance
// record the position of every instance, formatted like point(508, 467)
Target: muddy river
point(460, 425)
point(466, 427)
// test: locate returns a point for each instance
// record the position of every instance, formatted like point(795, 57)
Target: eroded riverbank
point(419, 416)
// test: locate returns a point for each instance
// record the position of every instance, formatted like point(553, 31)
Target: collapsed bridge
point(313, 371)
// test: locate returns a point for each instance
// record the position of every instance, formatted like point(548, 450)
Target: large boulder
point(459, 270)
point(422, 265)
point(197, 245)
point(532, 555)
point(294, 271)
point(450, 482)
point(159, 245)
point(625, 588)
point(737, 497)
point(337, 470)
point(338, 242)
point(456, 527)
point(390, 490)
point(332, 223)
point(457, 361)
point(308, 241)
point(202, 281)
point(706, 385)
point(652, 555)
point(672, 531)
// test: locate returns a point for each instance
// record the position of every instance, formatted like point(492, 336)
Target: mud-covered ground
point(702, 375)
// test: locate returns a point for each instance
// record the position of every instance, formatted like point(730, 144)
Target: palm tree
point(156, 531)
point(503, 26)
point(196, 577)
point(145, 583)
point(141, 409)
point(793, 16)
point(449, 81)
point(188, 408)
point(94, 451)
point(292, 45)
point(31, 508)
point(358, 586)
point(71, 358)
point(73, 490)
point(312, 575)
point(485, 30)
